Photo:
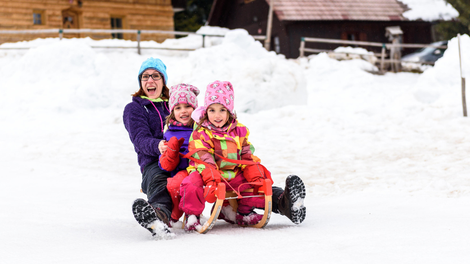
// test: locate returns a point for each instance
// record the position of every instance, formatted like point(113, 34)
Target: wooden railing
point(138, 33)
point(382, 55)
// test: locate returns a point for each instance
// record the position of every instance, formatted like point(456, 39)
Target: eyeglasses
point(155, 77)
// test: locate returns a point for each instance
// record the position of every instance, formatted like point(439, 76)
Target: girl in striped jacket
point(219, 135)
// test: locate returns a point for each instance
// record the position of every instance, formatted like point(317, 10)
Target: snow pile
point(261, 79)
point(441, 84)
point(351, 50)
point(74, 76)
point(350, 53)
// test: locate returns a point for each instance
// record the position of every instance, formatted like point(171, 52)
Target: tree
point(449, 29)
point(194, 16)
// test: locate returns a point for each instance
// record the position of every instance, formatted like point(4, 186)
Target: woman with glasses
point(144, 121)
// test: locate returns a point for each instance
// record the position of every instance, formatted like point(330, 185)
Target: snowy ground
point(385, 159)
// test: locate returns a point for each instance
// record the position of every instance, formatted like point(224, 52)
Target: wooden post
point(203, 40)
point(302, 47)
point(382, 60)
point(267, 41)
point(464, 101)
point(462, 79)
point(138, 42)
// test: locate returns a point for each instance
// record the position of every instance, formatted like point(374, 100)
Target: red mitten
point(171, 158)
point(209, 192)
point(211, 178)
point(253, 173)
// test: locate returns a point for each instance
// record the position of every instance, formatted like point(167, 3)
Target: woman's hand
point(162, 146)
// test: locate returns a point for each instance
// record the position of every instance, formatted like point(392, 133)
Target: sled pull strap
point(266, 173)
point(189, 156)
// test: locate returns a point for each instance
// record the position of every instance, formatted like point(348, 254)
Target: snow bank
point(440, 86)
point(261, 79)
point(72, 75)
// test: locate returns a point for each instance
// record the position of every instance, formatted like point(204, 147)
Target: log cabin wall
point(86, 14)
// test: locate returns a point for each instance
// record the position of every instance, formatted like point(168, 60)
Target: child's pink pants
point(192, 194)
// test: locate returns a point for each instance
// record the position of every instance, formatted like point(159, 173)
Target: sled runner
point(262, 190)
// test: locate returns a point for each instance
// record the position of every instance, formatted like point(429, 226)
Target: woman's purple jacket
point(145, 127)
point(179, 132)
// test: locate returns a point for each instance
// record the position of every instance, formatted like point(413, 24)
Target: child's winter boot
point(153, 219)
point(228, 214)
point(248, 219)
point(192, 223)
point(291, 201)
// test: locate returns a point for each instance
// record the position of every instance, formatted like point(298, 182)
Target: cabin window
point(38, 17)
point(116, 23)
point(354, 36)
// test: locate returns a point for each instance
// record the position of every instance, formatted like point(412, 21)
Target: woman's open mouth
point(152, 90)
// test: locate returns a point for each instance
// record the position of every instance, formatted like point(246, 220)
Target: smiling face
point(183, 113)
point(217, 114)
point(152, 88)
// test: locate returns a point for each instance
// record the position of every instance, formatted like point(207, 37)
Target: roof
point(309, 10)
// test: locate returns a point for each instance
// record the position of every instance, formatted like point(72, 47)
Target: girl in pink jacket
point(219, 135)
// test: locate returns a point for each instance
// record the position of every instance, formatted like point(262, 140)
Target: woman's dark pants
point(154, 181)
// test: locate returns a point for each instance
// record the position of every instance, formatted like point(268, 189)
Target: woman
point(144, 121)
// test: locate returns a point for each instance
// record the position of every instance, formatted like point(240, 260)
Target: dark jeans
point(154, 181)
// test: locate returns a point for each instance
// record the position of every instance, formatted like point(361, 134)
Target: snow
point(429, 10)
point(360, 51)
point(385, 158)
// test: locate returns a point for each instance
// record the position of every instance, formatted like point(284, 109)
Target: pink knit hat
point(183, 94)
point(220, 93)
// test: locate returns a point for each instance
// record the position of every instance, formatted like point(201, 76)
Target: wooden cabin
point(86, 14)
point(363, 20)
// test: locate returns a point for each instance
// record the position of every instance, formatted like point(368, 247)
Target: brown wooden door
point(70, 21)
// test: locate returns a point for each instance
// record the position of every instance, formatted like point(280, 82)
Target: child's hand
point(253, 173)
point(162, 146)
point(209, 192)
point(170, 159)
point(211, 178)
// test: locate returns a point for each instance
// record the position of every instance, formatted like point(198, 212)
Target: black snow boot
point(152, 219)
point(291, 201)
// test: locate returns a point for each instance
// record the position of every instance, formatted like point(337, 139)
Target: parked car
point(423, 58)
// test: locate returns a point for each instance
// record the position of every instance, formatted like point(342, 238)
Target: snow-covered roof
point(429, 10)
point(368, 10)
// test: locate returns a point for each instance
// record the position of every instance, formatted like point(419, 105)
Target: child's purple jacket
point(179, 132)
point(145, 127)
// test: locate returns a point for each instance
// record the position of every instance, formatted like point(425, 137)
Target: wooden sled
point(263, 190)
